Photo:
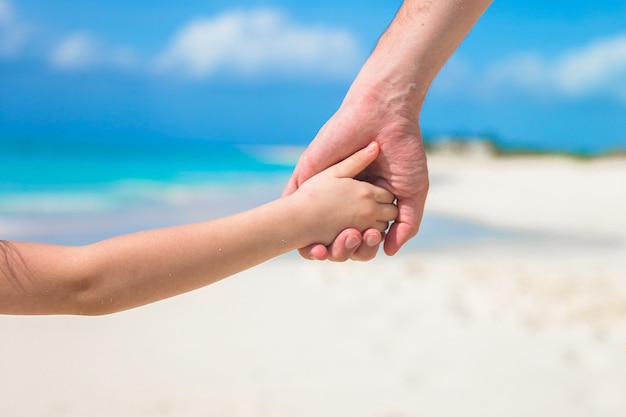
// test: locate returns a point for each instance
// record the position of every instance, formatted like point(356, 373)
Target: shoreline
point(519, 326)
point(464, 145)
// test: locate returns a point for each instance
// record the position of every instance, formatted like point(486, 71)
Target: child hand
point(333, 200)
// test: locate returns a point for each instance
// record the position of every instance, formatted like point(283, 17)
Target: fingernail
point(372, 241)
point(371, 147)
point(352, 242)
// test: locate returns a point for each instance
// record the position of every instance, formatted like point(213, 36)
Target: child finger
point(357, 162)
point(381, 226)
point(388, 212)
point(382, 195)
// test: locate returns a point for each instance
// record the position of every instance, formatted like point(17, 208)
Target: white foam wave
point(125, 194)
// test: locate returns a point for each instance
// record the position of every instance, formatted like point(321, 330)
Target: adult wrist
point(397, 83)
point(385, 95)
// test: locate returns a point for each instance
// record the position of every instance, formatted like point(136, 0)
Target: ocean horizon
point(77, 192)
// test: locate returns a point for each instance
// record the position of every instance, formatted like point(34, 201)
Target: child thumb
point(357, 162)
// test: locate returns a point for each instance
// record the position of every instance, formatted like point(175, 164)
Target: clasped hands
point(400, 168)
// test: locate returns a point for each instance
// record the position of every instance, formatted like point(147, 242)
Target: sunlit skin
point(384, 105)
point(140, 268)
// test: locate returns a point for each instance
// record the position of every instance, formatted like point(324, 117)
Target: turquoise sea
point(76, 192)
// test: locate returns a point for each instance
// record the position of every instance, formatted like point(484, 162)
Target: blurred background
point(117, 116)
point(541, 75)
point(106, 106)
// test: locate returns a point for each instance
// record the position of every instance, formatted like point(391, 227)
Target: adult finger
point(344, 245)
point(314, 252)
point(367, 251)
point(405, 226)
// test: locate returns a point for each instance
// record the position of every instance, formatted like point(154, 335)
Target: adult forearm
point(420, 39)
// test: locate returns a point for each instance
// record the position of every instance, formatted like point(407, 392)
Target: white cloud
point(454, 77)
point(261, 42)
point(74, 52)
point(82, 51)
point(6, 12)
point(597, 68)
point(255, 43)
point(13, 33)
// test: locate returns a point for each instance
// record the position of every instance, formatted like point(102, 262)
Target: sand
point(530, 323)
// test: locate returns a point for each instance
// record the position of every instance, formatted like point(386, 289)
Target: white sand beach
point(531, 323)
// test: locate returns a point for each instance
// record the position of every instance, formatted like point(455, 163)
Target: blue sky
point(548, 74)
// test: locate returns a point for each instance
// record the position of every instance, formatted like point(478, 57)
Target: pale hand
point(400, 167)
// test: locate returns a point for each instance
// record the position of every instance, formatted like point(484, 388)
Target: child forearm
point(139, 268)
point(136, 269)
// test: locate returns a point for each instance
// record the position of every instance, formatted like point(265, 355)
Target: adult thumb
point(357, 162)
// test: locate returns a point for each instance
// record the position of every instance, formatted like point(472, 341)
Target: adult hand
point(383, 105)
point(400, 167)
